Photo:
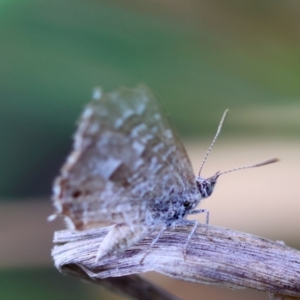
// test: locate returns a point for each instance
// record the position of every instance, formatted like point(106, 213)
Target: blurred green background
point(198, 56)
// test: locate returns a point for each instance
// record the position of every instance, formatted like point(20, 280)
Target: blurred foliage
point(41, 284)
point(198, 56)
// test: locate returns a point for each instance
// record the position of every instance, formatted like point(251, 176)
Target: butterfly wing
point(125, 162)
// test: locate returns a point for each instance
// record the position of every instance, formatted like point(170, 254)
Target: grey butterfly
point(128, 169)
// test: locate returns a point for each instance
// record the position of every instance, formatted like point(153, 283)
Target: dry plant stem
point(214, 256)
point(132, 286)
point(282, 297)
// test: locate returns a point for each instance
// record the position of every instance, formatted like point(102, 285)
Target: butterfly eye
point(187, 204)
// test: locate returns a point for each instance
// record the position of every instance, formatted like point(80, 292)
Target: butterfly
point(129, 170)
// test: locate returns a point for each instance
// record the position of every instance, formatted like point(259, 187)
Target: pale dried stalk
point(214, 256)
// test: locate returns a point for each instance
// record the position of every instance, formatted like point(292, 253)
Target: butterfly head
point(206, 185)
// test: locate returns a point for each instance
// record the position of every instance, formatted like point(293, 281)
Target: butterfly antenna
point(266, 162)
point(215, 138)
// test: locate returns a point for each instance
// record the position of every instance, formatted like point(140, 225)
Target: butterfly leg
point(120, 238)
point(195, 225)
point(152, 243)
point(201, 211)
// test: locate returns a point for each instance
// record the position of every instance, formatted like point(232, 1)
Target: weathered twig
point(214, 256)
point(133, 286)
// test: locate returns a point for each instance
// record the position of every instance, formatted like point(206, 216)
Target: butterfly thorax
point(174, 207)
point(178, 204)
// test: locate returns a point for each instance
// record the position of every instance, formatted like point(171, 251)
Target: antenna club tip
point(276, 159)
point(272, 160)
point(225, 112)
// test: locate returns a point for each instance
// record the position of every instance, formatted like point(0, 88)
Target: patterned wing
point(125, 157)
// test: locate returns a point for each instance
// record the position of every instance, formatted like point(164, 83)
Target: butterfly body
point(127, 169)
